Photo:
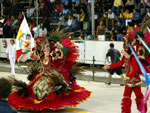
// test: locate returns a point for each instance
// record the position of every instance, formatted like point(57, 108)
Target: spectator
point(83, 6)
point(137, 17)
point(7, 10)
point(57, 12)
point(20, 16)
point(128, 16)
point(74, 9)
point(65, 2)
point(86, 25)
point(39, 30)
point(58, 8)
point(7, 27)
point(112, 34)
point(30, 11)
point(111, 18)
point(142, 5)
point(2, 19)
point(117, 6)
point(130, 5)
point(105, 14)
point(124, 2)
point(8, 21)
point(42, 4)
point(72, 24)
point(63, 23)
point(42, 30)
point(32, 24)
point(42, 7)
point(108, 4)
point(14, 27)
point(81, 37)
point(99, 10)
point(87, 36)
point(65, 11)
point(123, 16)
point(5, 91)
point(89, 10)
point(82, 18)
point(119, 31)
point(100, 31)
point(50, 4)
point(15, 8)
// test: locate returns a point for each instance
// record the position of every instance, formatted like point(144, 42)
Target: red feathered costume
point(132, 85)
point(58, 69)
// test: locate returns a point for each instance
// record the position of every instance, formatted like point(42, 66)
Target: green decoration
point(65, 51)
point(54, 38)
point(140, 33)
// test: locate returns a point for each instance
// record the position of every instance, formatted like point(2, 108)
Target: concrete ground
point(104, 99)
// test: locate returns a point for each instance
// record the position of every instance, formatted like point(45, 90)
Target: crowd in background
point(111, 17)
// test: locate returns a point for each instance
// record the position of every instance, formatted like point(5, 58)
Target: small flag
point(24, 42)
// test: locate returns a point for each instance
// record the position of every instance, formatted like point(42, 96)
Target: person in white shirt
point(42, 30)
point(111, 17)
point(11, 54)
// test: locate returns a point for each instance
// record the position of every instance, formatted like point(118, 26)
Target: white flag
point(24, 42)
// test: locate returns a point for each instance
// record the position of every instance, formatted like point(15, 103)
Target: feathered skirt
point(53, 101)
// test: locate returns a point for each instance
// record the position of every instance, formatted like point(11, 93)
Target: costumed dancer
point(52, 82)
point(133, 81)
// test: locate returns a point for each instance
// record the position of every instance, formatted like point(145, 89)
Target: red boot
point(126, 105)
point(140, 104)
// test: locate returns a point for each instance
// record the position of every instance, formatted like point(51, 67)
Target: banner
point(24, 42)
point(81, 49)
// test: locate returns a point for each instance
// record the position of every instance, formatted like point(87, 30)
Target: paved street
point(105, 99)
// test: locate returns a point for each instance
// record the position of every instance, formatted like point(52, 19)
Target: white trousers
point(101, 37)
point(12, 64)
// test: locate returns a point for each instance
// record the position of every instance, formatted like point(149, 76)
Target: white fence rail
point(87, 49)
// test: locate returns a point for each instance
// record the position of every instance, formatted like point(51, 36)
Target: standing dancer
point(133, 81)
point(11, 54)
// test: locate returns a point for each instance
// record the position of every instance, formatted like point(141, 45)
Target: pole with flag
point(24, 42)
